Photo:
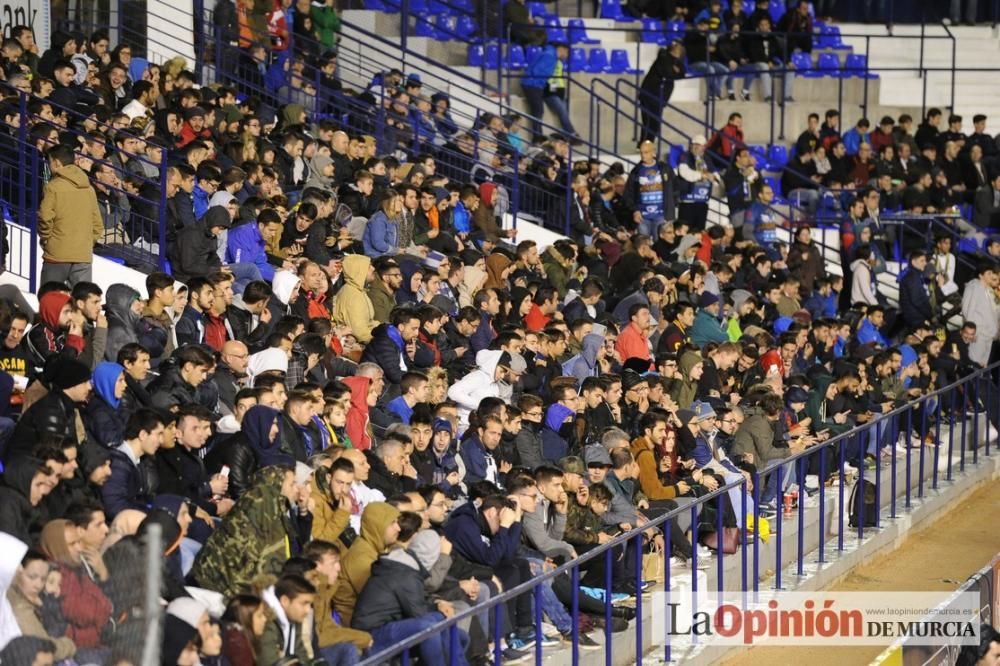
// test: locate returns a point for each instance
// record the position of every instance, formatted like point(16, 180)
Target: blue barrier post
point(607, 607)
point(909, 450)
point(497, 634)
point(537, 608)
point(986, 410)
point(878, 473)
point(923, 445)
point(937, 443)
point(965, 402)
point(575, 613)
point(718, 543)
point(743, 540)
point(801, 479)
point(667, 546)
point(951, 432)
point(894, 431)
point(861, 510)
point(756, 542)
point(780, 518)
point(841, 479)
point(637, 547)
point(975, 421)
point(453, 648)
point(162, 226)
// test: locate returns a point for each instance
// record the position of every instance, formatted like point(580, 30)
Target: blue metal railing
point(973, 395)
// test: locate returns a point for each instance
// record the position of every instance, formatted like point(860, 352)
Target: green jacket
point(706, 328)
point(381, 299)
point(254, 538)
point(327, 24)
point(814, 408)
point(582, 525)
point(756, 436)
point(683, 390)
point(272, 645)
point(557, 274)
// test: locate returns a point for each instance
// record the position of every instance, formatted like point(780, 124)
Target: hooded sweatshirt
point(481, 383)
point(316, 178)
point(358, 429)
point(395, 591)
point(68, 204)
point(13, 550)
point(554, 442)
point(684, 389)
point(122, 319)
point(352, 307)
point(584, 364)
point(356, 565)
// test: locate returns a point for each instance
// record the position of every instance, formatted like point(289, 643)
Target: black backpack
point(863, 494)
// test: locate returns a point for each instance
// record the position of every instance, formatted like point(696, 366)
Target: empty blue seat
point(425, 27)
point(466, 28)
point(533, 50)
point(777, 157)
point(577, 59)
point(804, 66)
point(759, 153)
point(776, 9)
point(438, 7)
point(829, 65)
point(418, 7)
point(675, 30)
point(619, 63)
point(578, 33)
point(447, 27)
point(552, 21)
point(857, 66)
point(378, 6)
point(491, 56)
point(557, 35)
point(676, 151)
point(476, 55)
point(612, 9)
point(598, 61)
point(515, 56)
point(537, 9)
point(652, 32)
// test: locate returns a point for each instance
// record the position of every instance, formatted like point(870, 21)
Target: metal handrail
point(776, 467)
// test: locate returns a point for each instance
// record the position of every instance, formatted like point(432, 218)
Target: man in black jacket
point(764, 53)
point(987, 204)
point(249, 317)
point(914, 297)
point(658, 86)
point(129, 485)
point(180, 469)
point(196, 251)
point(389, 468)
point(393, 345)
point(300, 437)
point(55, 414)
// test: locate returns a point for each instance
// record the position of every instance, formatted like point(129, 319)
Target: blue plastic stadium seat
point(776, 9)
point(652, 32)
point(465, 27)
point(491, 57)
point(676, 151)
point(425, 27)
point(857, 66)
point(759, 153)
point(378, 6)
point(437, 7)
point(552, 21)
point(447, 27)
point(675, 30)
point(557, 35)
point(612, 9)
point(777, 157)
point(476, 55)
point(537, 9)
point(578, 33)
point(598, 61)
point(619, 63)
point(577, 59)
point(533, 50)
point(804, 66)
point(829, 65)
point(418, 7)
point(515, 56)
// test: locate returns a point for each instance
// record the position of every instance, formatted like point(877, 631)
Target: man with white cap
point(696, 181)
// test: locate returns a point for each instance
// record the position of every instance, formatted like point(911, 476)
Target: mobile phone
point(224, 472)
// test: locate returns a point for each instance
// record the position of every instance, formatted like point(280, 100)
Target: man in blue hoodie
point(247, 243)
point(543, 82)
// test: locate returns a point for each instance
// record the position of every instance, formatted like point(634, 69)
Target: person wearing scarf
point(85, 607)
point(103, 418)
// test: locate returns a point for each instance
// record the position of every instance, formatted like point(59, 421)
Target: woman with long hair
point(244, 621)
point(381, 232)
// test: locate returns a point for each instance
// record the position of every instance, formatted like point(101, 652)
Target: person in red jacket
point(632, 341)
point(362, 399)
point(725, 142)
point(85, 607)
point(543, 306)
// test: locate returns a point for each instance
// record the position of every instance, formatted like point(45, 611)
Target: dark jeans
point(535, 98)
point(652, 110)
point(512, 574)
point(434, 650)
point(340, 654)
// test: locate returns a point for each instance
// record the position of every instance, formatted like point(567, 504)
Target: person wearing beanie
point(707, 327)
point(55, 414)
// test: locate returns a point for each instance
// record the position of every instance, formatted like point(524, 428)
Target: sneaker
point(745, 95)
point(512, 656)
point(768, 510)
point(521, 643)
point(731, 97)
point(618, 624)
point(584, 641)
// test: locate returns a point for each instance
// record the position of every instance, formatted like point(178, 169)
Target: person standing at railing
point(68, 204)
point(797, 23)
point(658, 86)
point(980, 306)
point(764, 54)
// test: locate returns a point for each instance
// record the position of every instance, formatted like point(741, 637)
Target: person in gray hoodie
point(588, 362)
point(121, 304)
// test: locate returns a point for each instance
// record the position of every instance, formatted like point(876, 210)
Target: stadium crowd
point(358, 404)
